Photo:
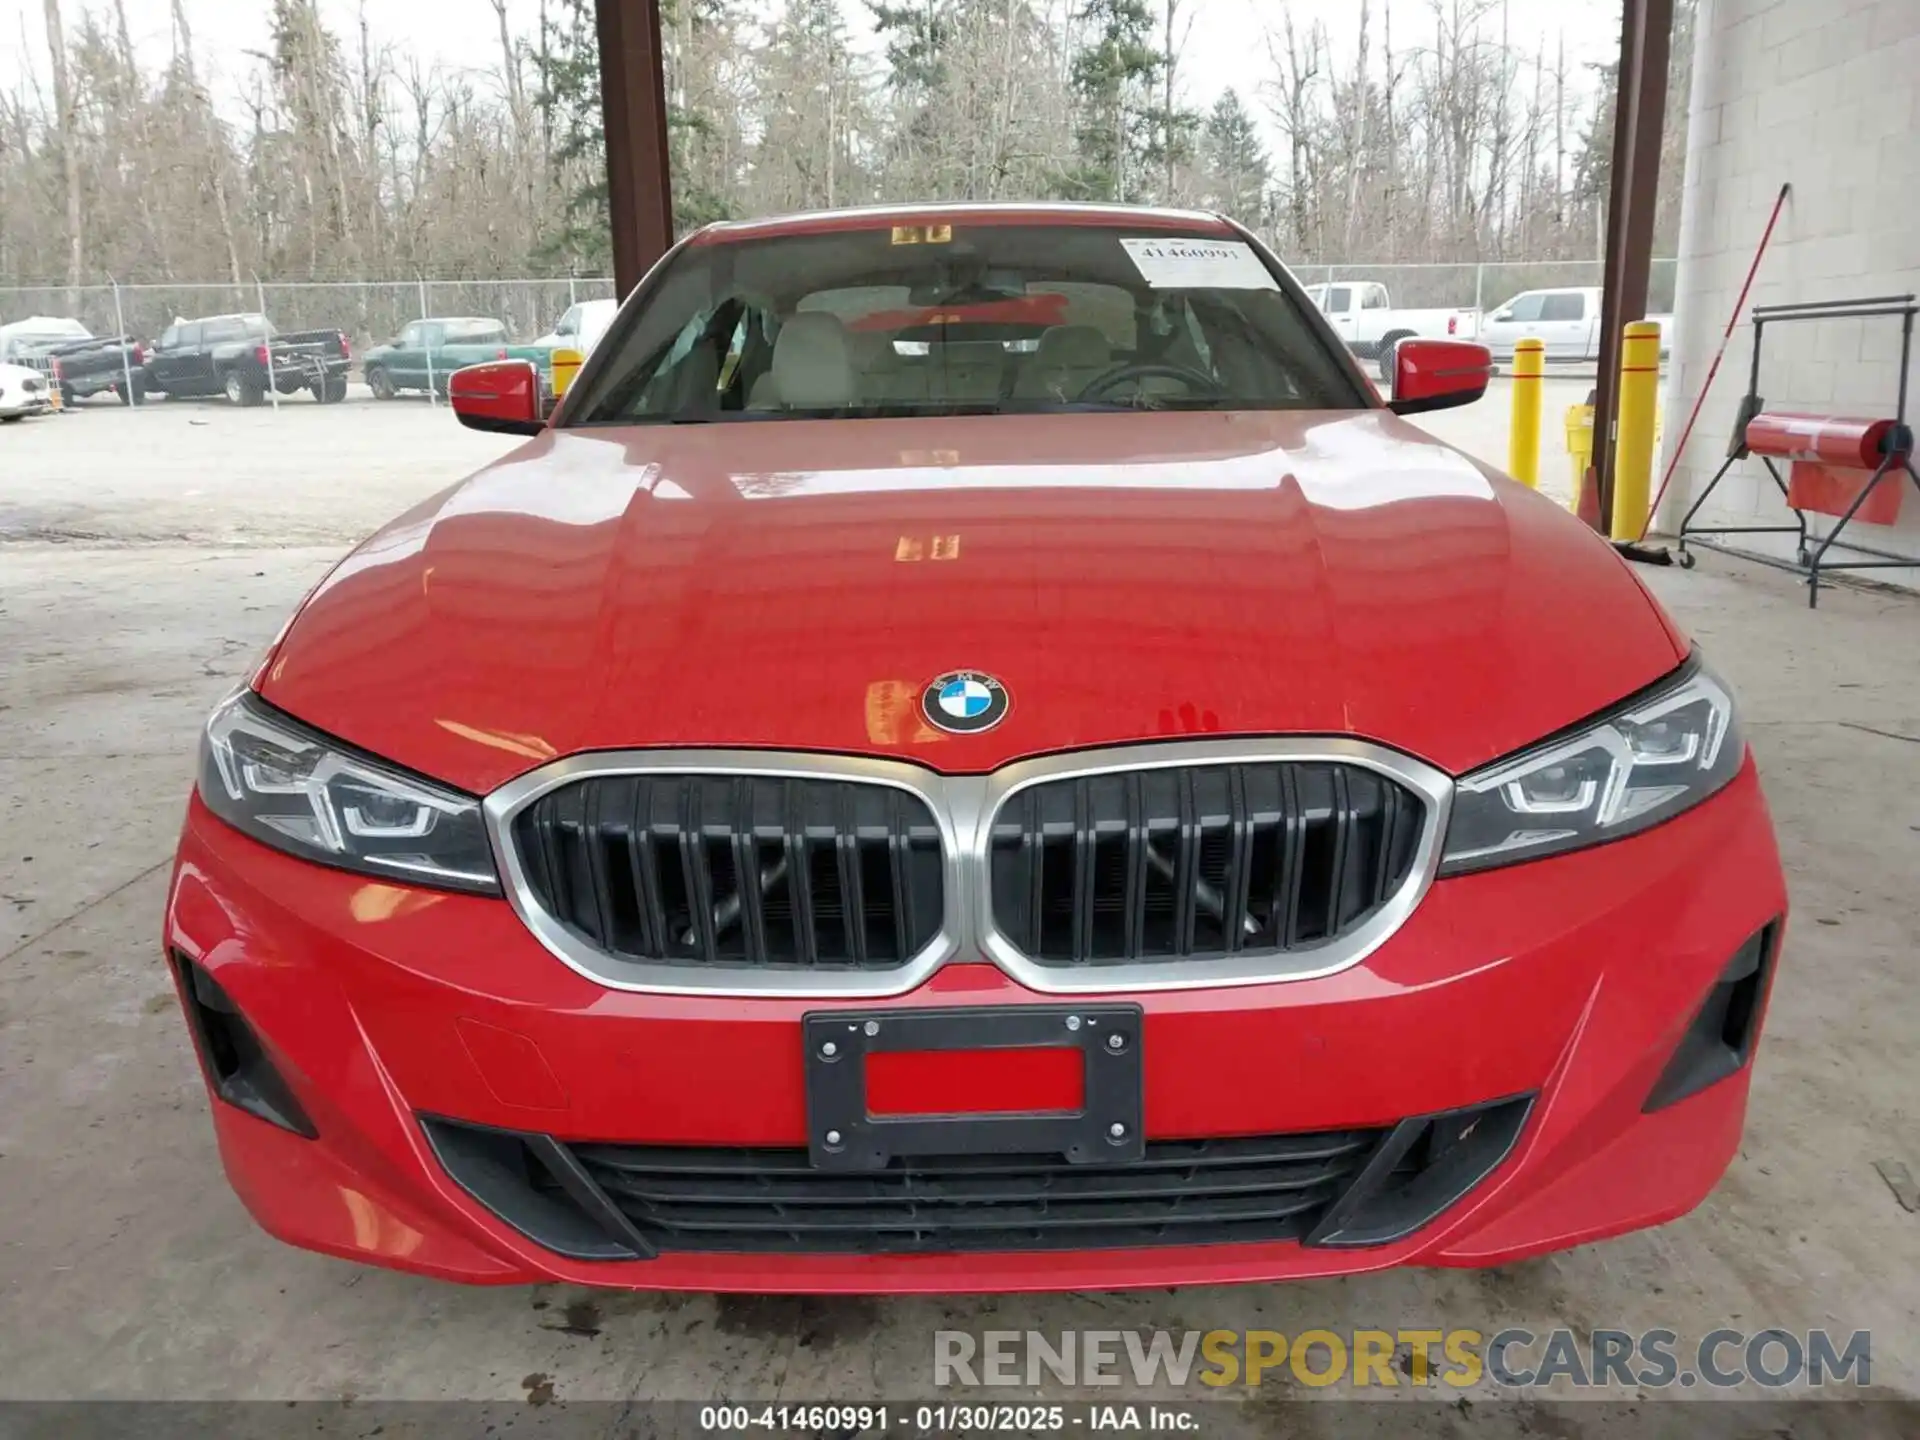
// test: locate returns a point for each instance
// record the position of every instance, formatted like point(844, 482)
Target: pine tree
point(813, 122)
point(916, 34)
point(1235, 162)
point(568, 66)
point(1113, 79)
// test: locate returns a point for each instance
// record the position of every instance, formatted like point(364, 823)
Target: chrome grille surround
point(964, 808)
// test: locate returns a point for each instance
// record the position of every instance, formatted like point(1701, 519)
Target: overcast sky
point(1226, 47)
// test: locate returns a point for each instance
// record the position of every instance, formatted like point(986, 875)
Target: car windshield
point(937, 319)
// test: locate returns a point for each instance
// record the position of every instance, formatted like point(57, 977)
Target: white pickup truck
point(1362, 314)
point(1567, 319)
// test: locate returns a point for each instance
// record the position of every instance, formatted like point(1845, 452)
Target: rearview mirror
point(1438, 374)
point(502, 396)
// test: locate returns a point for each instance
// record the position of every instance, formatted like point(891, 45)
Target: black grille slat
point(699, 877)
point(1286, 889)
point(1183, 1192)
point(846, 854)
point(1084, 842)
point(1185, 867)
point(799, 868)
point(1034, 872)
point(1199, 862)
point(757, 872)
point(595, 853)
point(746, 876)
point(643, 863)
point(1136, 898)
point(897, 861)
point(956, 1220)
point(1165, 1183)
point(1160, 1154)
point(1233, 918)
point(1342, 840)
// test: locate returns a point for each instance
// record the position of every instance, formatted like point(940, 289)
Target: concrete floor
point(146, 557)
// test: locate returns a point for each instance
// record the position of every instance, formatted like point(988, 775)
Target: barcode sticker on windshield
point(1199, 265)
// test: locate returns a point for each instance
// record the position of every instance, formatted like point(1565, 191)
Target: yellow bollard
point(1523, 443)
point(566, 364)
point(1639, 419)
point(1579, 423)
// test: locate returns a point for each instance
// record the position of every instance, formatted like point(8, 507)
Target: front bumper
point(1571, 979)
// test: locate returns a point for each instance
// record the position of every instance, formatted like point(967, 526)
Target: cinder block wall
point(1824, 94)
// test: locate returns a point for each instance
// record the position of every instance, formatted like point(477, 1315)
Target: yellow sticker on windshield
point(923, 234)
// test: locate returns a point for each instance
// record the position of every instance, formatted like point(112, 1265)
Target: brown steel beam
point(633, 99)
point(1646, 38)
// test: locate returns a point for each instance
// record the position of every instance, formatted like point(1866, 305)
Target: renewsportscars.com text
point(1513, 1357)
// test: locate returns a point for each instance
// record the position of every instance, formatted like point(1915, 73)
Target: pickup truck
point(243, 356)
point(71, 357)
point(426, 352)
point(1362, 315)
point(1567, 319)
point(581, 327)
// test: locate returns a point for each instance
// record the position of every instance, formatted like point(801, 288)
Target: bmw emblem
point(964, 702)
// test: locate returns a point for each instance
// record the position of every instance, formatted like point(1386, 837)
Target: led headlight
point(1661, 752)
point(298, 791)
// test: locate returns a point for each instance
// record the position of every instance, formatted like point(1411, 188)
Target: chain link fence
point(373, 312)
point(368, 312)
point(1488, 285)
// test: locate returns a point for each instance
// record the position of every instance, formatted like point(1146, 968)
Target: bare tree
point(1411, 132)
point(63, 97)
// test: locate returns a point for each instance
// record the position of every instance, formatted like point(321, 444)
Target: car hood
point(796, 584)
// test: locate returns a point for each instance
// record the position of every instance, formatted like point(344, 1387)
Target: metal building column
point(633, 99)
point(1646, 37)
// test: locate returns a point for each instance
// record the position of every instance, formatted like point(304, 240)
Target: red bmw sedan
point(973, 751)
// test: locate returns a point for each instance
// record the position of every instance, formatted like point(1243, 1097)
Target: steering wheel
point(1198, 382)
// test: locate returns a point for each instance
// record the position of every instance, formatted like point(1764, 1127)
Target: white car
point(582, 325)
point(1567, 319)
point(23, 392)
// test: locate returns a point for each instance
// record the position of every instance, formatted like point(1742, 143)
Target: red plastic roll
point(1831, 439)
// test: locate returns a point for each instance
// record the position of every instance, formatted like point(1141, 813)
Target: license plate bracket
point(838, 1043)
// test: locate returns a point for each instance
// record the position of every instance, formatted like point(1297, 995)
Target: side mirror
point(502, 396)
point(1438, 375)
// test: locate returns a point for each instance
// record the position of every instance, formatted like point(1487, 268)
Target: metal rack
point(1811, 550)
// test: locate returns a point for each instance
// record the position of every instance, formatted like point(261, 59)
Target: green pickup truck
point(426, 352)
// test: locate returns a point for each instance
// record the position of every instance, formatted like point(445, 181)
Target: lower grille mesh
point(1182, 1193)
point(633, 1202)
